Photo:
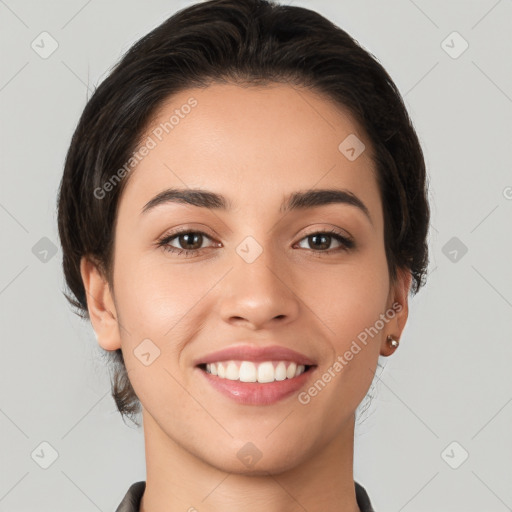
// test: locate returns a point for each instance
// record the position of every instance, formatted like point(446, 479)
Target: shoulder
point(363, 500)
point(131, 500)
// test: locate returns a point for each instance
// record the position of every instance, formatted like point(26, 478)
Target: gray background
point(450, 380)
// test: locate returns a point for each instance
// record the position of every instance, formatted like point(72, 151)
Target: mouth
point(252, 375)
point(249, 371)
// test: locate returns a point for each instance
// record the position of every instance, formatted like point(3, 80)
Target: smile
point(255, 375)
point(249, 371)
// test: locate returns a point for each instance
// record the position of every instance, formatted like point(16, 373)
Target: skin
point(255, 145)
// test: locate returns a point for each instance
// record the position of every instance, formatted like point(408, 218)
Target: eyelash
point(347, 243)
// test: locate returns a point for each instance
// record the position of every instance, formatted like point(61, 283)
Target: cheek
point(351, 309)
point(153, 295)
point(349, 297)
point(158, 307)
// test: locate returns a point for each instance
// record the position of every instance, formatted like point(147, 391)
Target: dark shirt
point(131, 501)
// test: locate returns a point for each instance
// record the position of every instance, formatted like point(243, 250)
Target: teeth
point(232, 371)
point(266, 372)
point(247, 371)
point(280, 372)
point(290, 373)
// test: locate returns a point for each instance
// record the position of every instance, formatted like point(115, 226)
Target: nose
point(260, 294)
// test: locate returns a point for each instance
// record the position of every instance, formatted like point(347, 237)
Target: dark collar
point(131, 501)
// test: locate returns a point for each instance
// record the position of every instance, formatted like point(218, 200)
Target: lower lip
point(255, 393)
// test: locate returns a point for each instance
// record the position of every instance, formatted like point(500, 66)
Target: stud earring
point(392, 342)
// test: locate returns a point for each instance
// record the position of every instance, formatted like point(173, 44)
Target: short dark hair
point(251, 42)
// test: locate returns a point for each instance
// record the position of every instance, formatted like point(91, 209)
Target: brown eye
point(192, 240)
point(188, 242)
point(319, 241)
point(322, 241)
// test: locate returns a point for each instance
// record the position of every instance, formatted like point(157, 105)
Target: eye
point(189, 242)
point(321, 240)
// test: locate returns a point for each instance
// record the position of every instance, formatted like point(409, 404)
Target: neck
point(178, 480)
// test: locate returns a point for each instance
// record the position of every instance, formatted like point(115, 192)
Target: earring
point(392, 342)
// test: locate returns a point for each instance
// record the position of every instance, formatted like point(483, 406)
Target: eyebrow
point(296, 201)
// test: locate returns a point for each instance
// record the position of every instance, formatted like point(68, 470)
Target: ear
point(100, 304)
point(399, 303)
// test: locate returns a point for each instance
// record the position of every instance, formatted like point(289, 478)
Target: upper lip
point(256, 354)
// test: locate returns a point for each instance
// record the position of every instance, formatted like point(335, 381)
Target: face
point(263, 281)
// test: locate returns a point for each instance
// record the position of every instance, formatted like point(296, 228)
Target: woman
point(243, 214)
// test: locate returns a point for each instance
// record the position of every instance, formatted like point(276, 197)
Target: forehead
point(252, 144)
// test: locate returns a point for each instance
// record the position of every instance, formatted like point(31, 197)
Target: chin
point(258, 459)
